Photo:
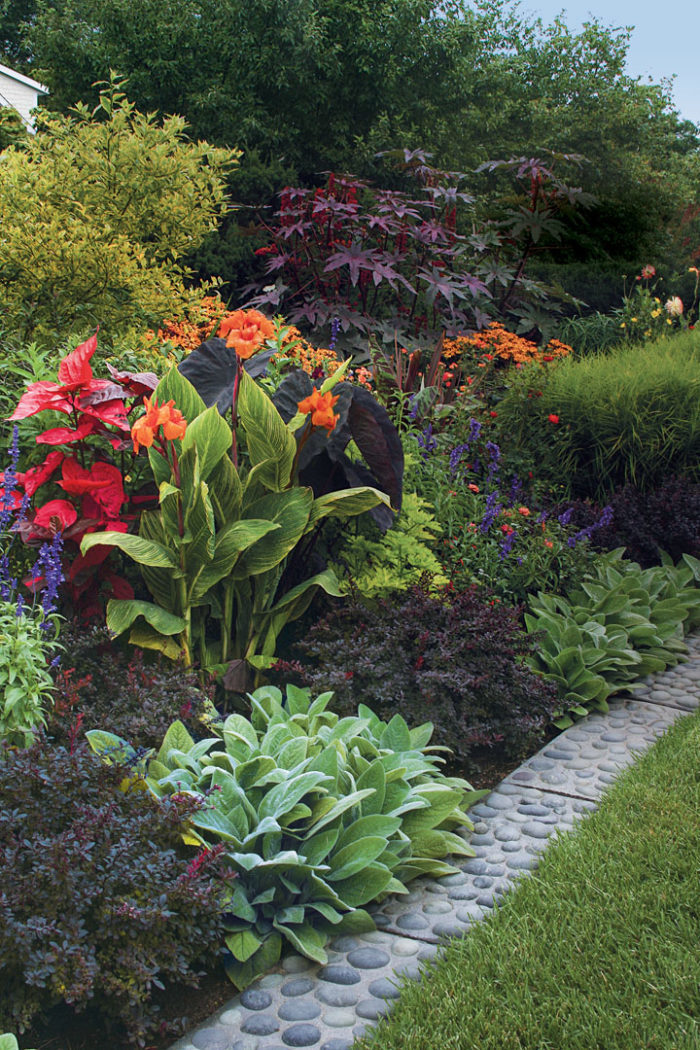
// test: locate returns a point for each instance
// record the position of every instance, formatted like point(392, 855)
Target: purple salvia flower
point(474, 429)
point(9, 482)
point(515, 489)
point(605, 518)
point(23, 508)
point(507, 544)
point(456, 455)
point(426, 440)
point(20, 607)
point(48, 565)
point(542, 516)
point(414, 408)
point(491, 512)
point(566, 517)
point(335, 328)
point(494, 454)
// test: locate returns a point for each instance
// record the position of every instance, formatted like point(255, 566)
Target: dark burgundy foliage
point(378, 261)
point(454, 660)
point(323, 464)
point(211, 369)
point(126, 691)
point(666, 518)
point(99, 901)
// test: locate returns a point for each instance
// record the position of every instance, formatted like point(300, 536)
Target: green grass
point(629, 415)
point(599, 949)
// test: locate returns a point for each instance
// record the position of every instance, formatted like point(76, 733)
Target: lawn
point(597, 949)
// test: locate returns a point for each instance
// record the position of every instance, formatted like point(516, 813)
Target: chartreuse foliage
point(8, 1042)
point(115, 199)
point(377, 565)
point(216, 548)
point(319, 816)
point(623, 623)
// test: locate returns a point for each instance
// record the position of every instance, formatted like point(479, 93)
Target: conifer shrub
point(454, 659)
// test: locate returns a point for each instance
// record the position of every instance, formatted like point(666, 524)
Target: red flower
point(553, 418)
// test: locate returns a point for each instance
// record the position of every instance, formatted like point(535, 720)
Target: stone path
point(301, 1004)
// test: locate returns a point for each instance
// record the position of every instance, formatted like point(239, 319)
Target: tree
point(314, 85)
point(95, 214)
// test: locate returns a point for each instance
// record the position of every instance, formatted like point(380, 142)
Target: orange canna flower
point(525, 511)
point(246, 331)
point(174, 424)
point(321, 408)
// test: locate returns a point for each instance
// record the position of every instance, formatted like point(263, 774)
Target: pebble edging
point(302, 1004)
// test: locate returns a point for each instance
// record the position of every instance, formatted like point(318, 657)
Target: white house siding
point(20, 92)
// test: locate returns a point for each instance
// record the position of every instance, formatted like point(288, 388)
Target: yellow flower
point(655, 313)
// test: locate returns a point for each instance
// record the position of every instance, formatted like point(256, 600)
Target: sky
point(665, 40)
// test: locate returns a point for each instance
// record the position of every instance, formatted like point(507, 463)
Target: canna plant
point(230, 512)
point(318, 816)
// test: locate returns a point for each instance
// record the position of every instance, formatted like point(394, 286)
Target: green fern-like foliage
point(376, 565)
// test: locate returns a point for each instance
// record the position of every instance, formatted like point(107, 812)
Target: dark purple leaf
point(211, 369)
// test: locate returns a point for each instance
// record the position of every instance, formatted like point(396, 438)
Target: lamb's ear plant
point(230, 513)
point(319, 816)
point(622, 623)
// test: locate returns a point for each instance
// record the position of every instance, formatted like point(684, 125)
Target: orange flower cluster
point(496, 341)
point(321, 408)
point(246, 331)
point(308, 357)
point(190, 331)
point(171, 419)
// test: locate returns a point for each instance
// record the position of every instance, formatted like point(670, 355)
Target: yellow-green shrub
point(95, 214)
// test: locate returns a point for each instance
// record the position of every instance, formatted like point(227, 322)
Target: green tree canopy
point(324, 84)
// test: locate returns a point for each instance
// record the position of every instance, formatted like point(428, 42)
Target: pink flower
point(648, 271)
point(674, 306)
point(553, 418)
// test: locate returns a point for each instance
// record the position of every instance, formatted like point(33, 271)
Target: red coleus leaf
point(120, 587)
point(82, 563)
point(66, 435)
point(74, 371)
point(40, 397)
point(35, 477)
point(106, 498)
point(112, 412)
point(56, 515)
